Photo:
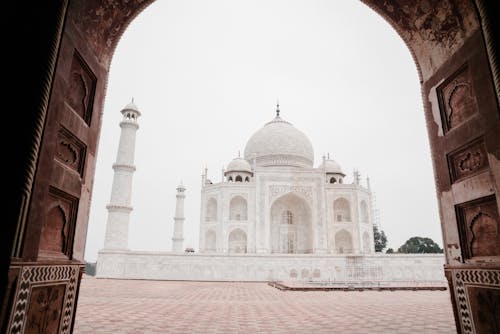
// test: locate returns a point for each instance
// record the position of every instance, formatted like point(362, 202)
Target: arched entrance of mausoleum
point(237, 241)
point(291, 225)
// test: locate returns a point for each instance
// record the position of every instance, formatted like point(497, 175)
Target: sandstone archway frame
point(62, 45)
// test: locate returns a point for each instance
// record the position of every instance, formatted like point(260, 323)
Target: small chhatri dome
point(180, 187)
point(279, 143)
point(131, 107)
point(238, 165)
point(331, 166)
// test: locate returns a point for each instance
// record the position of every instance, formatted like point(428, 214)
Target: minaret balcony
point(126, 167)
point(117, 207)
point(128, 123)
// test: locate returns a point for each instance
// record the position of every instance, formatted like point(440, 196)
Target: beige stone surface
point(139, 306)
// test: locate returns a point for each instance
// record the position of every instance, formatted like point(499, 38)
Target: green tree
point(389, 251)
point(90, 268)
point(380, 239)
point(419, 245)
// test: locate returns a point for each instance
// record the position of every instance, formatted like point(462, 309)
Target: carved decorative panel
point(39, 303)
point(479, 228)
point(278, 190)
point(468, 160)
point(70, 151)
point(477, 292)
point(317, 273)
point(82, 82)
point(103, 22)
point(44, 313)
point(57, 234)
point(485, 309)
point(457, 99)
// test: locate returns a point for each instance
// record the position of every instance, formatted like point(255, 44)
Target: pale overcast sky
point(206, 75)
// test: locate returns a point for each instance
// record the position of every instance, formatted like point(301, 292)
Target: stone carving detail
point(485, 240)
point(438, 25)
point(316, 273)
point(468, 160)
point(70, 151)
point(67, 153)
point(104, 22)
point(457, 99)
point(471, 162)
point(57, 233)
point(485, 309)
point(304, 273)
point(479, 228)
point(477, 292)
point(278, 190)
point(438, 21)
point(45, 309)
point(81, 88)
point(36, 301)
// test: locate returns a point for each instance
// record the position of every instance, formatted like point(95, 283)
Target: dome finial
point(277, 108)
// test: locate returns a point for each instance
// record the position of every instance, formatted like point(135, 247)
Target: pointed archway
point(62, 58)
point(237, 241)
point(291, 225)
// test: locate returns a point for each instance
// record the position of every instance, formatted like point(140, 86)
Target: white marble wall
point(223, 193)
point(261, 267)
point(268, 185)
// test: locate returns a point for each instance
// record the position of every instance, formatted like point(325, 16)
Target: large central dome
point(279, 143)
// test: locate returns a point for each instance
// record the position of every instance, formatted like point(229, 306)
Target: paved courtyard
point(134, 306)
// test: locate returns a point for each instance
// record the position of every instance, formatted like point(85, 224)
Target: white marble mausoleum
point(274, 201)
point(273, 216)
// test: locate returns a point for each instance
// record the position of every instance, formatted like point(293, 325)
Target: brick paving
point(135, 306)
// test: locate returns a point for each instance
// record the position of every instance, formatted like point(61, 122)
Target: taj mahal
point(273, 216)
point(274, 201)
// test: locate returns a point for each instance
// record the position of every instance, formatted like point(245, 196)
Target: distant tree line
point(90, 268)
point(418, 245)
point(380, 239)
point(414, 245)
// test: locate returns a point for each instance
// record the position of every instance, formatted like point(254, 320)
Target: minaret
point(356, 177)
point(204, 177)
point(119, 207)
point(178, 239)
